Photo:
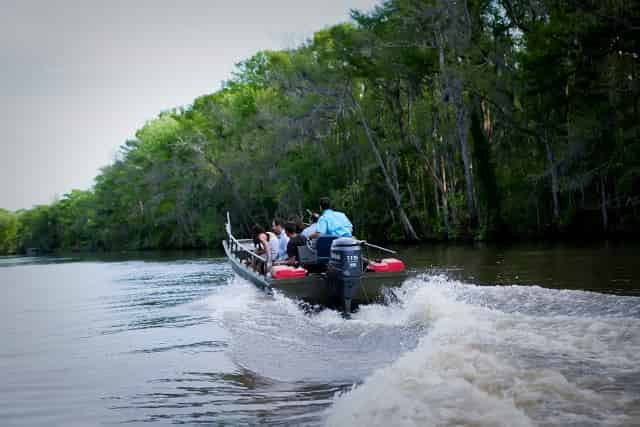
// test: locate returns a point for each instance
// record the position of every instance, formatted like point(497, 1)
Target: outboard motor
point(345, 270)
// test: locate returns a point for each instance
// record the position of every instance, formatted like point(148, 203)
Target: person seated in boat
point(297, 220)
point(266, 245)
point(274, 244)
point(332, 223)
point(278, 228)
point(295, 240)
point(307, 232)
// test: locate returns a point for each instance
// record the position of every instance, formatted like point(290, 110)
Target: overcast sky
point(79, 77)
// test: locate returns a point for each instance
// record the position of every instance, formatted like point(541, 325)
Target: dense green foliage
point(8, 232)
point(422, 119)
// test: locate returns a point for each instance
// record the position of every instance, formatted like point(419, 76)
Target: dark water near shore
point(481, 335)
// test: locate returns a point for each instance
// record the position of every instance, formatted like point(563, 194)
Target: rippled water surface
point(478, 337)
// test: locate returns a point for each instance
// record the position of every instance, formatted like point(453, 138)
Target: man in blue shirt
point(332, 223)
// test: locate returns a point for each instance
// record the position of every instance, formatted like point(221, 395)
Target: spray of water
point(449, 353)
point(489, 364)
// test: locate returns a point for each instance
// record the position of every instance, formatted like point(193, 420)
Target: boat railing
point(238, 249)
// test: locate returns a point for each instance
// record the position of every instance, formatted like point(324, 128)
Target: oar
point(380, 248)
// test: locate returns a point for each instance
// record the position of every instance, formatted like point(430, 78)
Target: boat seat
point(307, 255)
point(323, 248)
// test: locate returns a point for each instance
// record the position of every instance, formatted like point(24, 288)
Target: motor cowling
point(345, 269)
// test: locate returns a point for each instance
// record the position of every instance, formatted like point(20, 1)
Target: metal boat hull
point(315, 288)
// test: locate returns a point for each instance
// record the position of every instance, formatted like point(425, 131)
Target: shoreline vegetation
point(422, 120)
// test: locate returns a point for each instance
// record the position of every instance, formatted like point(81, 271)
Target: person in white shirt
point(278, 229)
point(266, 244)
point(274, 245)
point(311, 228)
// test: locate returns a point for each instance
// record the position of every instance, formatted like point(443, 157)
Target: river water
point(479, 336)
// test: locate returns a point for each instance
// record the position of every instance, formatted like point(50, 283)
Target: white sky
point(79, 77)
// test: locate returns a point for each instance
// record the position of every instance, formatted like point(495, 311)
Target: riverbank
point(601, 266)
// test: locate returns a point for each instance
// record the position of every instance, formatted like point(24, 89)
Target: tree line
point(421, 119)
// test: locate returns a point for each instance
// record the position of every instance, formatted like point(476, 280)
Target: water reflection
point(148, 292)
point(202, 346)
point(14, 261)
point(601, 267)
point(183, 321)
point(241, 397)
point(160, 307)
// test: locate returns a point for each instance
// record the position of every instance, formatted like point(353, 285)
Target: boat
point(334, 272)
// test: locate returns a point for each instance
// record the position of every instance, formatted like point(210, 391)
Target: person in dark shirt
point(295, 240)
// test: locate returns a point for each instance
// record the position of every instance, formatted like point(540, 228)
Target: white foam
point(483, 366)
point(449, 353)
point(273, 337)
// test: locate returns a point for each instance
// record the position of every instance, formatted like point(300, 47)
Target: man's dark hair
point(278, 221)
point(314, 218)
point(291, 227)
point(297, 220)
point(325, 203)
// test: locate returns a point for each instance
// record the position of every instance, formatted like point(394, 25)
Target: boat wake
point(448, 353)
point(275, 337)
